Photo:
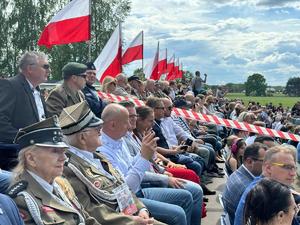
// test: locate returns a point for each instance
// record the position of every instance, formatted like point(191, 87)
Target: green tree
point(140, 73)
point(293, 87)
point(256, 85)
point(25, 19)
point(188, 75)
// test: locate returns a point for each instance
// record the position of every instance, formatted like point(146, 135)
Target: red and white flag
point(174, 73)
point(134, 51)
point(170, 67)
point(151, 69)
point(181, 72)
point(162, 62)
point(71, 24)
point(109, 62)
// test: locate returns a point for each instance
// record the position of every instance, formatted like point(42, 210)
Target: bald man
point(161, 202)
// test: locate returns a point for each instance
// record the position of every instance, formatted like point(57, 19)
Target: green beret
point(73, 68)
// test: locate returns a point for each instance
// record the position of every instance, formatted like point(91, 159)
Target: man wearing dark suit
point(20, 101)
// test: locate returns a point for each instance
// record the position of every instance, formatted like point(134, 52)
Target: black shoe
point(205, 199)
point(206, 191)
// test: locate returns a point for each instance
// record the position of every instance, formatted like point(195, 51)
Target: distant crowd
point(70, 157)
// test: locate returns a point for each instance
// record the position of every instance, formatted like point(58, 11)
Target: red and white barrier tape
point(211, 119)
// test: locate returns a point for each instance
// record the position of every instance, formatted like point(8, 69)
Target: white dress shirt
point(132, 168)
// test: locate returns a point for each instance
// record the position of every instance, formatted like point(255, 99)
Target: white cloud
point(227, 39)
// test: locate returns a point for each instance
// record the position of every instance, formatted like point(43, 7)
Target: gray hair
point(22, 165)
point(30, 58)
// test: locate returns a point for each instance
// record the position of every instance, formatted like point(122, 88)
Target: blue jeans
point(197, 195)
point(5, 178)
point(170, 206)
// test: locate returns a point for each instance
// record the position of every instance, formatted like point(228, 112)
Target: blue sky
point(227, 39)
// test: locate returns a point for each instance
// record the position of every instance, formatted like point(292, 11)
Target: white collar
point(48, 187)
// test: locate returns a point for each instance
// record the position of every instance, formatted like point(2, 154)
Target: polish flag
point(151, 69)
point(109, 62)
point(134, 51)
point(180, 73)
point(170, 67)
point(162, 62)
point(171, 63)
point(71, 24)
point(175, 72)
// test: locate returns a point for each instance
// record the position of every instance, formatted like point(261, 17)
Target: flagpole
point(120, 27)
point(89, 44)
point(158, 54)
point(143, 52)
point(165, 69)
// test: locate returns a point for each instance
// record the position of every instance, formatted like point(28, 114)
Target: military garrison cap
point(74, 68)
point(77, 117)
point(46, 133)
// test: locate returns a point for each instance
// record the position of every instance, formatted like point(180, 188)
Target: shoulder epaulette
point(17, 188)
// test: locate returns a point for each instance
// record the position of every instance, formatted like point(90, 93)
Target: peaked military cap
point(46, 133)
point(77, 117)
point(74, 68)
point(90, 66)
point(134, 77)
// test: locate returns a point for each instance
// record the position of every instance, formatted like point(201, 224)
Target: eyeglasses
point(285, 166)
point(257, 159)
point(170, 107)
point(133, 116)
point(45, 66)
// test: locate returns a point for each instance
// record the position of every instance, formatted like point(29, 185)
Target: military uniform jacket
point(104, 210)
point(62, 97)
point(51, 210)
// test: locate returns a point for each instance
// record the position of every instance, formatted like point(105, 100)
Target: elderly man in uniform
point(69, 92)
point(21, 103)
point(38, 196)
point(99, 187)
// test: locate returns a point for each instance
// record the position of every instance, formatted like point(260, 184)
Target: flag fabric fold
point(134, 51)
point(170, 67)
point(162, 63)
point(71, 24)
point(109, 62)
point(151, 69)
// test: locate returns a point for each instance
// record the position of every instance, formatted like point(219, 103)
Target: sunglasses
point(45, 66)
point(82, 75)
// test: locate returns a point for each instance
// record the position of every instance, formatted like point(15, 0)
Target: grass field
point(276, 99)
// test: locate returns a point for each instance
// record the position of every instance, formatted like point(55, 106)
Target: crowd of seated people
point(70, 157)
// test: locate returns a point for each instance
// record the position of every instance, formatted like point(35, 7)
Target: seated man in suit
point(21, 103)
